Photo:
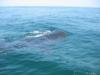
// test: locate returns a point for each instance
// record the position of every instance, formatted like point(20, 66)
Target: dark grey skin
point(27, 41)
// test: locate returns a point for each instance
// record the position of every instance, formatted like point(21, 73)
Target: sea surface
point(76, 54)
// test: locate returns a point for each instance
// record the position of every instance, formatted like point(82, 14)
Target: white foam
point(35, 32)
point(39, 33)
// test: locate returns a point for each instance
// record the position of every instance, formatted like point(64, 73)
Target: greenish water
point(76, 54)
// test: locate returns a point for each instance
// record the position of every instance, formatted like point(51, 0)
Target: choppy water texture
point(75, 52)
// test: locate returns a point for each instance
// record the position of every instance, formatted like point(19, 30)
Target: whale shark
point(36, 38)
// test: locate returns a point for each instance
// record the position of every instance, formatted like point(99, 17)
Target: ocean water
point(78, 53)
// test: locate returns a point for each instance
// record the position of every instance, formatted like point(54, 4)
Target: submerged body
point(36, 38)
